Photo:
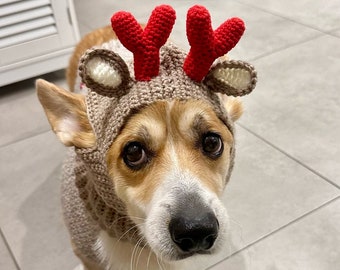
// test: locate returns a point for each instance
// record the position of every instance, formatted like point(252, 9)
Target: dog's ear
point(234, 108)
point(232, 78)
point(66, 113)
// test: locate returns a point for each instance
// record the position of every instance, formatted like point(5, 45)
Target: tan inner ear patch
point(102, 72)
point(235, 77)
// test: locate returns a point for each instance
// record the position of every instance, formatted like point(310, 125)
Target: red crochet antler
point(145, 44)
point(206, 44)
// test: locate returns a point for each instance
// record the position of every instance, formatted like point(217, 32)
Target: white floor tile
point(311, 243)
point(6, 261)
point(323, 15)
point(296, 104)
point(30, 214)
point(21, 114)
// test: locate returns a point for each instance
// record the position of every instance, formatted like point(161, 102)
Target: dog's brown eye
point(212, 145)
point(134, 155)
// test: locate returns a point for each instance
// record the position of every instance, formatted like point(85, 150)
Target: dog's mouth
point(182, 256)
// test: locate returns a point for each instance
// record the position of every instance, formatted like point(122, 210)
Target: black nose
point(193, 234)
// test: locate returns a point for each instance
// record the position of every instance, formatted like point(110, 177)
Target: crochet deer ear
point(104, 72)
point(233, 78)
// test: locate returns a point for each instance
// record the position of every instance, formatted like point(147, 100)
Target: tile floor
point(284, 195)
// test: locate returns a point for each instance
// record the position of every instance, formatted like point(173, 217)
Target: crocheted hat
point(118, 89)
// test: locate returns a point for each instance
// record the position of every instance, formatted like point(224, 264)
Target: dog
point(168, 163)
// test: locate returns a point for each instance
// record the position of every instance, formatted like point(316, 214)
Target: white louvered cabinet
point(36, 37)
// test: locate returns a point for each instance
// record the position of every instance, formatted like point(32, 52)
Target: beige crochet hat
point(118, 88)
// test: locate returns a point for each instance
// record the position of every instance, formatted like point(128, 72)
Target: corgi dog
point(168, 165)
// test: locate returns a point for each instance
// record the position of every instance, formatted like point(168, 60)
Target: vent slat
point(25, 16)
point(25, 20)
point(16, 7)
point(5, 2)
point(26, 26)
point(27, 36)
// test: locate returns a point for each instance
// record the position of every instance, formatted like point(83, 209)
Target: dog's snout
point(194, 234)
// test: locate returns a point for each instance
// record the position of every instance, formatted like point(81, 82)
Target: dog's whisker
point(248, 259)
point(136, 252)
point(160, 266)
point(130, 217)
point(148, 261)
point(140, 252)
point(114, 244)
point(239, 228)
point(235, 222)
point(122, 236)
point(161, 259)
point(133, 227)
point(247, 253)
point(134, 256)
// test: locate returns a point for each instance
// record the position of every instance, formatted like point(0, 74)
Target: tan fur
point(233, 106)
point(95, 38)
point(205, 168)
point(170, 128)
point(66, 113)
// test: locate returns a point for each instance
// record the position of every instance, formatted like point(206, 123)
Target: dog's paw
point(79, 267)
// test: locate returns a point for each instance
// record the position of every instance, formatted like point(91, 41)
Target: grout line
point(25, 138)
point(332, 33)
point(286, 47)
point(335, 30)
point(278, 229)
point(283, 17)
point(9, 250)
point(291, 157)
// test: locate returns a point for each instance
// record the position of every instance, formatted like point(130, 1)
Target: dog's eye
point(212, 145)
point(134, 155)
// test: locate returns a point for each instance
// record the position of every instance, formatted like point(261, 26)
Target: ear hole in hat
point(104, 72)
point(233, 78)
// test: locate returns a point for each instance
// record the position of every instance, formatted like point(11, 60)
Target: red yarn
point(206, 44)
point(145, 44)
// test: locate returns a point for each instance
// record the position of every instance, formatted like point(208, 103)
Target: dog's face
point(169, 165)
